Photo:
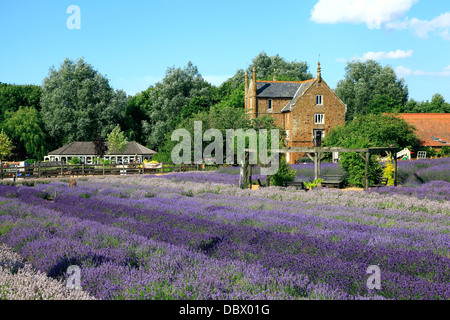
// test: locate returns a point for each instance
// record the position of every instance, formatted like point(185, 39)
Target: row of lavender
point(420, 178)
point(156, 238)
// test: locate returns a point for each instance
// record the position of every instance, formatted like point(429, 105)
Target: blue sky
point(134, 42)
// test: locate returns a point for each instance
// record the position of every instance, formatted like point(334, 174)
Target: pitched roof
point(303, 87)
point(433, 129)
point(279, 89)
point(88, 148)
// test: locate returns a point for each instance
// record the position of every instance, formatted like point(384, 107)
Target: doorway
point(318, 136)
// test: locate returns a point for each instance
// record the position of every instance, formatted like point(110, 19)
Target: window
point(287, 135)
point(319, 118)
point(319, 99)
point(270, 105)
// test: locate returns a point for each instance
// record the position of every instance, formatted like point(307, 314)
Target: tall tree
point(267, 67)
point(364, 81)
point(166, 101)
point(6, 146)
point(14, 96)
point(116, 141)
point(78, 103)
point(25, 127)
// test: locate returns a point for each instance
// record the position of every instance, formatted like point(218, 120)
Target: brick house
point(306, 110)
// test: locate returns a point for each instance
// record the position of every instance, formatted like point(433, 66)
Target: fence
point(49, 170)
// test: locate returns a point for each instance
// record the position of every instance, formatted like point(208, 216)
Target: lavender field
point(198, 236)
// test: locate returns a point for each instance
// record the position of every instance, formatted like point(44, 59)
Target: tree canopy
point(267, 67)
point(6, 145)
point(116, 140)
point(78, 103)
point(25, 126)
point(165, 101)
point(12, 97)
point(365, 82)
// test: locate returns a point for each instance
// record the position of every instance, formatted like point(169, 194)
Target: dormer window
point(319, 100)
point(269, 105)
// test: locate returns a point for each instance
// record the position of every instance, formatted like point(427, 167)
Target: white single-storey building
point(85, 151)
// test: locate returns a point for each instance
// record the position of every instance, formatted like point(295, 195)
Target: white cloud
point(402, 71)
point(374, 13)
point(422, 28)
point(381, 55)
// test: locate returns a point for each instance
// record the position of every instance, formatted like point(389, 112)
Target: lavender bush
point(158, 238)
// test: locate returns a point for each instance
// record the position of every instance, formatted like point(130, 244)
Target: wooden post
point(82, 169)
point(39, 169)
point(319, 171)
point(250, 175)
point(366, 176)
point(395, 169)
point(316, 171)
point(62, 173)
point(245, 182)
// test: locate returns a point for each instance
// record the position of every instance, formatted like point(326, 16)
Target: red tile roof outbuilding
point(433, 129)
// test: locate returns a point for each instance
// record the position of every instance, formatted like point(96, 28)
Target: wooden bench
point(382, 182)
point(333, 181)
point(299, 185)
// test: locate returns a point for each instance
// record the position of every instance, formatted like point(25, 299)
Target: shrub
point(285, 173)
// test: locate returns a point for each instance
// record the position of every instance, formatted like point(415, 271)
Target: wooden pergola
point(316, 154)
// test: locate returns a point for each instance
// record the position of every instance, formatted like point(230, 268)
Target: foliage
point(436, 105)
point(25, 127)
point(267, 66)
point(365, 131)
point(285, 173)
point(14, 96)
point(388, 172)
point(116, 141)
point(313, 184)
point(355, 167)
point(100, 146)
point(74, 160)
point(78, 103)
point(5, 145)
point(444, 152)
point(364, 82)
point(165, 101)
point(373, 131)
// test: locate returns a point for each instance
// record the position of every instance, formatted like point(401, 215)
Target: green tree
point(14, 96)
point(384, 104)
point(364, 81)
point(25, 126)
point(116, 141)
point(267, 67)
point(79, 104)
point(165, 101)
point(370, 130)
point(6, 146)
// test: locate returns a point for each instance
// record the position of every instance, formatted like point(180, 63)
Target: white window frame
point(319, 100)
point(288, 135)
point(319, 118)
point(270, 105)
